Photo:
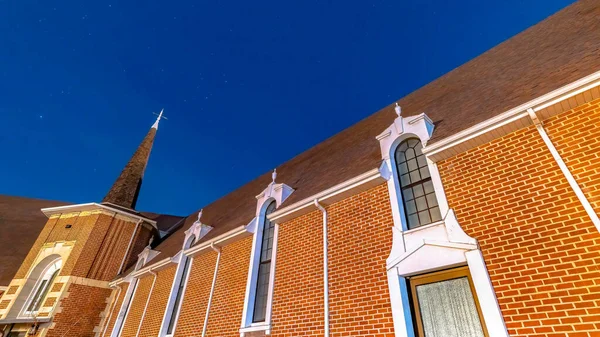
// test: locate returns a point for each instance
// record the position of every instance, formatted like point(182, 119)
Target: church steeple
point(126, 188)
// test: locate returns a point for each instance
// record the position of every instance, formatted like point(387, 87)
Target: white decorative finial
point(398, 109)
point(160, 116)
point(200, 214)
point(274, 175)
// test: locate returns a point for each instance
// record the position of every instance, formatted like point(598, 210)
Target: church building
point(468, 208)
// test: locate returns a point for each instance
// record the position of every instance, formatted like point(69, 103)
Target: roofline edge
point(331, 195)
point(435, 150)
point(61, 209)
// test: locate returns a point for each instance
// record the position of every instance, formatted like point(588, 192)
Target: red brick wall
point(55, 230)
point(110, 253)
point(35, 248)
point(195, 300)
point(140, 241)
point(136, 308)
point(298, 292)
point(101, 242)
point(228, 299)
point(540, 247)
point(576, 135)
point(80, 311)
point(114, 308)
point(359, 242)
point(158, 302)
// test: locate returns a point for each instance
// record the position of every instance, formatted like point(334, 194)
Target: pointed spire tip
point(155, 125)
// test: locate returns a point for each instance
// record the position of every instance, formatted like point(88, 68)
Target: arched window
point(184, 273)
point(420, 204)
point(43, 287)
point(264, 268)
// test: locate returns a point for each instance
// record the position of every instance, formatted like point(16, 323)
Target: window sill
point(256, 327)
point(420, 228)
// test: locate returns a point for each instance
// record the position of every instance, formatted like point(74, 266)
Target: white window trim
point(266, 325)
point(432, 247)
point(193, 231)
point(124, 310)
point(46, 274)
point(277, 193)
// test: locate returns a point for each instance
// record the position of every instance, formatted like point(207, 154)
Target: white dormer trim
point(421, 127)
point(436, 246)
point(145, 256)
point(198, 230)
point(277, 193)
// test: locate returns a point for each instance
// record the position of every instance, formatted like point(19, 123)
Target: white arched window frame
point(432, 247)
point(270, 199)
point(184, 266)
point(41, 288)
point(179, 286)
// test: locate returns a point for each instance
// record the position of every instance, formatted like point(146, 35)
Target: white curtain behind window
point(448, 309)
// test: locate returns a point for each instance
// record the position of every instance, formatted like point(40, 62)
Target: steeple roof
point(126, 188)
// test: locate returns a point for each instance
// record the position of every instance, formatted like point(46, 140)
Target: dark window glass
point(264, 268)
point(41, 293)
point(420, 204)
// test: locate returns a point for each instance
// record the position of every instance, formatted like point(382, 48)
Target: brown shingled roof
point(557, 51)
point(21, 221)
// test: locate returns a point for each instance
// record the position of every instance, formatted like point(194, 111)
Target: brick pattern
point(113, 248)
point(22, 272)
point(298, 292)
point(50, 301)
point(136, 308)
point(575, 135)
point(359, 235)
point(92, 247)
point(228, 298)
point(114, 308)
point(80, 311)
point(56, 287)
point(158, 302)
point(195, 299)
point(82, 226)
point(12, 290)
point(4, 304)
point(140, 241)
point(540, 247)
point(101, 241)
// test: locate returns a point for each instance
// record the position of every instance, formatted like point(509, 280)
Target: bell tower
point(62, 287)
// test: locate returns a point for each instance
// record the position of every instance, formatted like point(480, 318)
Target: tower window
point(43, 287)
point(418, 195)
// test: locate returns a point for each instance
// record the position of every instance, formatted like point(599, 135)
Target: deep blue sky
point(246, 85)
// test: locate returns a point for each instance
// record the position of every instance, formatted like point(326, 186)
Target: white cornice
point(338, 192)
point(219, 240)
point(154, 267)
point(91, 206)
point(513, 115)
